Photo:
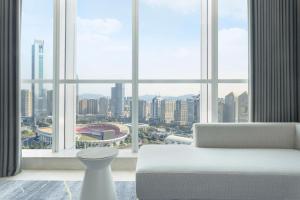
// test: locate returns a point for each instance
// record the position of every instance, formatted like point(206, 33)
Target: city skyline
point(186, 108)
point(26, 96)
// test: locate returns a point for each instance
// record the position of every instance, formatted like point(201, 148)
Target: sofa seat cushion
point(187, 172)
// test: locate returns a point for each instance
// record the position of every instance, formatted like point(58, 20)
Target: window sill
point(45, 159)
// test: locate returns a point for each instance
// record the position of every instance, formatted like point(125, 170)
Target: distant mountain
point(147, 97)
point(144, 97)
point(90, 96)
point(182, 97)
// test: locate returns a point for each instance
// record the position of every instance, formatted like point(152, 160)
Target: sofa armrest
point(297, 137)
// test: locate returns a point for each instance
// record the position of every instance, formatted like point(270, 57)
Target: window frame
point(64, 79)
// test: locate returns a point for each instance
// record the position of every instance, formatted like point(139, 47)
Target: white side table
point(97, 183)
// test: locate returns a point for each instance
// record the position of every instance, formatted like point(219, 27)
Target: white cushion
point(186, 172)
point(248, 135)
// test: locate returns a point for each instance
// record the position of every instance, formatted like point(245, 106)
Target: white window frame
point(64, 80)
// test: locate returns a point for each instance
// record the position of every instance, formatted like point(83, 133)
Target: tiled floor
point(67, 175)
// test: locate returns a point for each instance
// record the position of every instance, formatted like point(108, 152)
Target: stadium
point(88, 135)
point(102, 132)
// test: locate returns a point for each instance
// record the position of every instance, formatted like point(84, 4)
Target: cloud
point(233, 9)
point(170, 62)
point(182, 6)
point(233, 53)
point(99, 26)
point(101, 52)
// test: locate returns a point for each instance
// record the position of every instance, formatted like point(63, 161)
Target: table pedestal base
point(98, 185)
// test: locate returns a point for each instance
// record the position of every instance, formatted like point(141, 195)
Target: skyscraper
point(191, 111)
point(181, 112)
point(148, 110)
point(168, 110)
point(117, 100)
point(103, 106)
point(220, 109)
point(39, 101)
point(127, 107)
point(229, 108)
point(77, 97)
point(92, 106)
point(49, 102)
point(156, 114)
point(38, 64)
point(243, 107)
point(197, 108)
point(83, 106)
point(26, 103)
point(142, 110)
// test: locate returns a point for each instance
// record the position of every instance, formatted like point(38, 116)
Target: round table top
point(98, 153)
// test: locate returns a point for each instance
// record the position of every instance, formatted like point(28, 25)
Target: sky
point(169, 42)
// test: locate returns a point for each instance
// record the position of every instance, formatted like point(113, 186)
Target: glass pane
point(233, 39)
point(169, 39)
point(103, 115)
point(233, 103)
point(36, 115)
point(104, 39)
point(167, 112)
point(37, 39)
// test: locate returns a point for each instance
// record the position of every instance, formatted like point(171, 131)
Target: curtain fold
point(9, 87)
point(275, 70)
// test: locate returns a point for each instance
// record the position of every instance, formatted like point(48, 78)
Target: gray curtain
point(274, 36)
point(9, 87)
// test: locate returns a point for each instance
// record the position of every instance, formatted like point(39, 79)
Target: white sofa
point(255, 161)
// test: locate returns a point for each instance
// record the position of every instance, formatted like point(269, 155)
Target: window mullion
point(58, 64)
point(69, 73)
point(213, 55)
point(135, 82)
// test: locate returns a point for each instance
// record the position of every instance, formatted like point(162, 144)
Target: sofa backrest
point(247, 135)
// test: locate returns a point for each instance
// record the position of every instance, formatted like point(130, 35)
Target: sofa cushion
point(186, 172)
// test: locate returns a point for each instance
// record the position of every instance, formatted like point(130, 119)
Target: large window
point(130, 73)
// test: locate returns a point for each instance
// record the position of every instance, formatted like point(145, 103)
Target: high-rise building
point(103, 106)
point(50, 102)
point(83, 104)
point(142, 110)
point(197, 108)
point(127, 107)
point(38, 64)
point(88, 106)
point(92, 106)
point(229, 108)
point(181, 112)
point(117, 100)
point(221, 104)
point(77, 96)
point(39, 102)
point(26, 103)
point(156, 114)
point(168, 110)
point(243, 107)
point(191, 111)
point(148, 110)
